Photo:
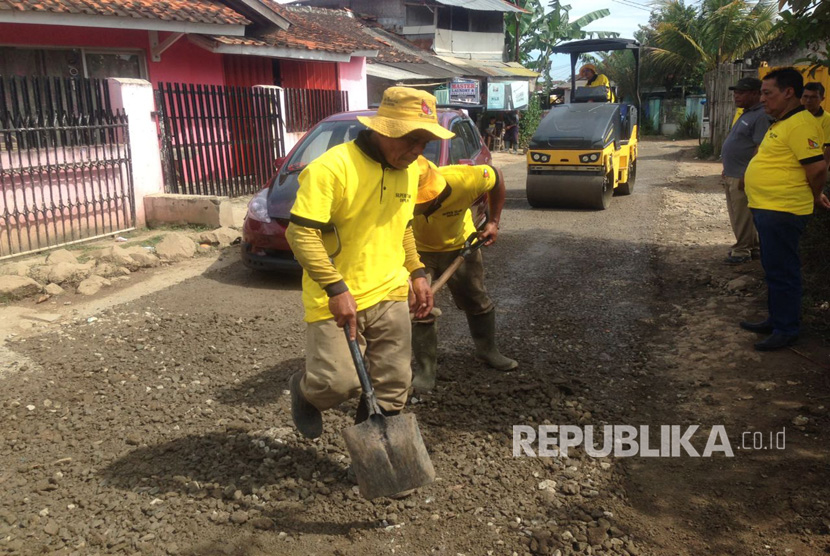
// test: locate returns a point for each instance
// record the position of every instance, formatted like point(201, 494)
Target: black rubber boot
point(425, 350)
point(307, 418)
point(483, 330)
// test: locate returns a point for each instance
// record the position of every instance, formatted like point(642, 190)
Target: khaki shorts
point(385, 339)
point(466, 285)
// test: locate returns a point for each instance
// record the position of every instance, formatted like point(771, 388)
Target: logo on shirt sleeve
point(812, 144)
point(486, 173)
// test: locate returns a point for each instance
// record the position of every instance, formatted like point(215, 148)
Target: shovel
point(472, 244)
point(388, 453)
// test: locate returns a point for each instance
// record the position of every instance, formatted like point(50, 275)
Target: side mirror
point(279, 162)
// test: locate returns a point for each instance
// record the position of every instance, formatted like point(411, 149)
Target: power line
point(632, 5)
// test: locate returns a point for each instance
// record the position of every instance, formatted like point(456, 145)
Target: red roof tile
point(191, 11)
point(320, 29)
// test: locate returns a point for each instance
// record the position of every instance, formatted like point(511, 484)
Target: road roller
point(585, 151)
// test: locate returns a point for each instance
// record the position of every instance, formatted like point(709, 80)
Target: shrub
point(705, 150)
point(688, 127)
point(529, 121)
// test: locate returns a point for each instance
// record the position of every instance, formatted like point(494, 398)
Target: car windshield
point(331, 134)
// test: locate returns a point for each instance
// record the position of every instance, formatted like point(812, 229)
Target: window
point(417, 16)
point(454, 18)
point(71, 62)
point(460, 145)
point(487, 22)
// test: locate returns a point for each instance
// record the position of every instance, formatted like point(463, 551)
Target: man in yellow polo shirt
point(350, 230)
point(811, 98)
point(783, 184)
point(440, 232)
point(589, 73)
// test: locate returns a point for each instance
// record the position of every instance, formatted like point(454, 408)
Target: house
point(227, 76)
point(466, 34)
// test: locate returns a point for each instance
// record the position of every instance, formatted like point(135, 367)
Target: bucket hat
point(404, 110)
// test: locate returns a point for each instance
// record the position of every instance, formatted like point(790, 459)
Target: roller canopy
point(578, 127)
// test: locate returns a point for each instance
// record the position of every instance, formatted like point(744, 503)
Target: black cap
point(747, 84)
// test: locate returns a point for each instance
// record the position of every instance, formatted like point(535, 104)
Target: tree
point(808, 23)
point(541, 30)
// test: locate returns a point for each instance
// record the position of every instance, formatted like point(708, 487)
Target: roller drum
point(569, 191)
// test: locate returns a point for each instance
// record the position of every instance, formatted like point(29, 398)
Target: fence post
point(135, 98)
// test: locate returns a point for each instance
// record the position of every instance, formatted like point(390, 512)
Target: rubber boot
point(425, 349)
point(483, 330)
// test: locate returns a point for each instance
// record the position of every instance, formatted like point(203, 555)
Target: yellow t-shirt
point(448, 228)
point(824, 122)
point(775, 178)
point(370, 207)
point(602, 81)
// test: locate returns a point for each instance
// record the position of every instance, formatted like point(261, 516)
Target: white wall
point(353, 80)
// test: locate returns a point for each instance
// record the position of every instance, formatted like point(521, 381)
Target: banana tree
point(530, 38)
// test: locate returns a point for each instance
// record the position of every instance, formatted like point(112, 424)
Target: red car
point(264, 246)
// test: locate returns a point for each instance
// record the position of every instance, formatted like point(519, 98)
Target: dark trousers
point(779, 233)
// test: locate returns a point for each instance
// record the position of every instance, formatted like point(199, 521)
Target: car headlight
point(594, 157)
point(540, 157)
point(588, 158)
point(258, 207)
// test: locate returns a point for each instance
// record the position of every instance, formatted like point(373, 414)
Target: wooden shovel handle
point(438, 284)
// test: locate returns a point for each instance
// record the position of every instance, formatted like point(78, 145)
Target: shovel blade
point(388, 455)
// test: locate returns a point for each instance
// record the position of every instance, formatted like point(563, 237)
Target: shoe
point(425, 351)
point(306, 417)
point(737, 259)
point(763, 327)
point(483, 330)
point(776, 341)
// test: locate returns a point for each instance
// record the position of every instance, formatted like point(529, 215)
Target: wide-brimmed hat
point(591, 67)
point(404, 110)
point(747, 84)
point(430, 181)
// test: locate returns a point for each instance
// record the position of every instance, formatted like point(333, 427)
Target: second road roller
point(585, 151)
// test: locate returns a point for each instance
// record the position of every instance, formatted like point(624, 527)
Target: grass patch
point(705, 150)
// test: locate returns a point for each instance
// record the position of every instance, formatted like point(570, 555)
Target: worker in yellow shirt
point(783, 184)
point(350, 230)
point(440, 232)
point(588, 72)
point(811, 98)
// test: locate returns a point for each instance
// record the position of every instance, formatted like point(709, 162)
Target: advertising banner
point(464, 91)
point(507, 95)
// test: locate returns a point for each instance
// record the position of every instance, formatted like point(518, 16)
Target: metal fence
point(218, 140)
point(65, 165)
point(306, 107)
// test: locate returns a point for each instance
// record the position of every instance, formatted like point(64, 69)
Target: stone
point(54, 289)
point(72, 273)
point(92, 285)
point(264, 523)
point(15, 269)
point(117, 256)
point(109, 270)
point(18, 287)
point(175, 247)
point(144, 257)
point(740, 283)
point(220, 236)
point(239, 517)
point(597, 535)
point(61, 256)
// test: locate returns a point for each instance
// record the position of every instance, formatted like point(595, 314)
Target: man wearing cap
point(594, 79)
point(442, 224)
point(811, 98)
point(738, 149)
point(783, 184)
point(350, 230)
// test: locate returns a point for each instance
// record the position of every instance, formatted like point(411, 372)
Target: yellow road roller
point(585, 151)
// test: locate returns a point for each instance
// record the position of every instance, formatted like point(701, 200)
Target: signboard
point(464, 91)
point(507, 95)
